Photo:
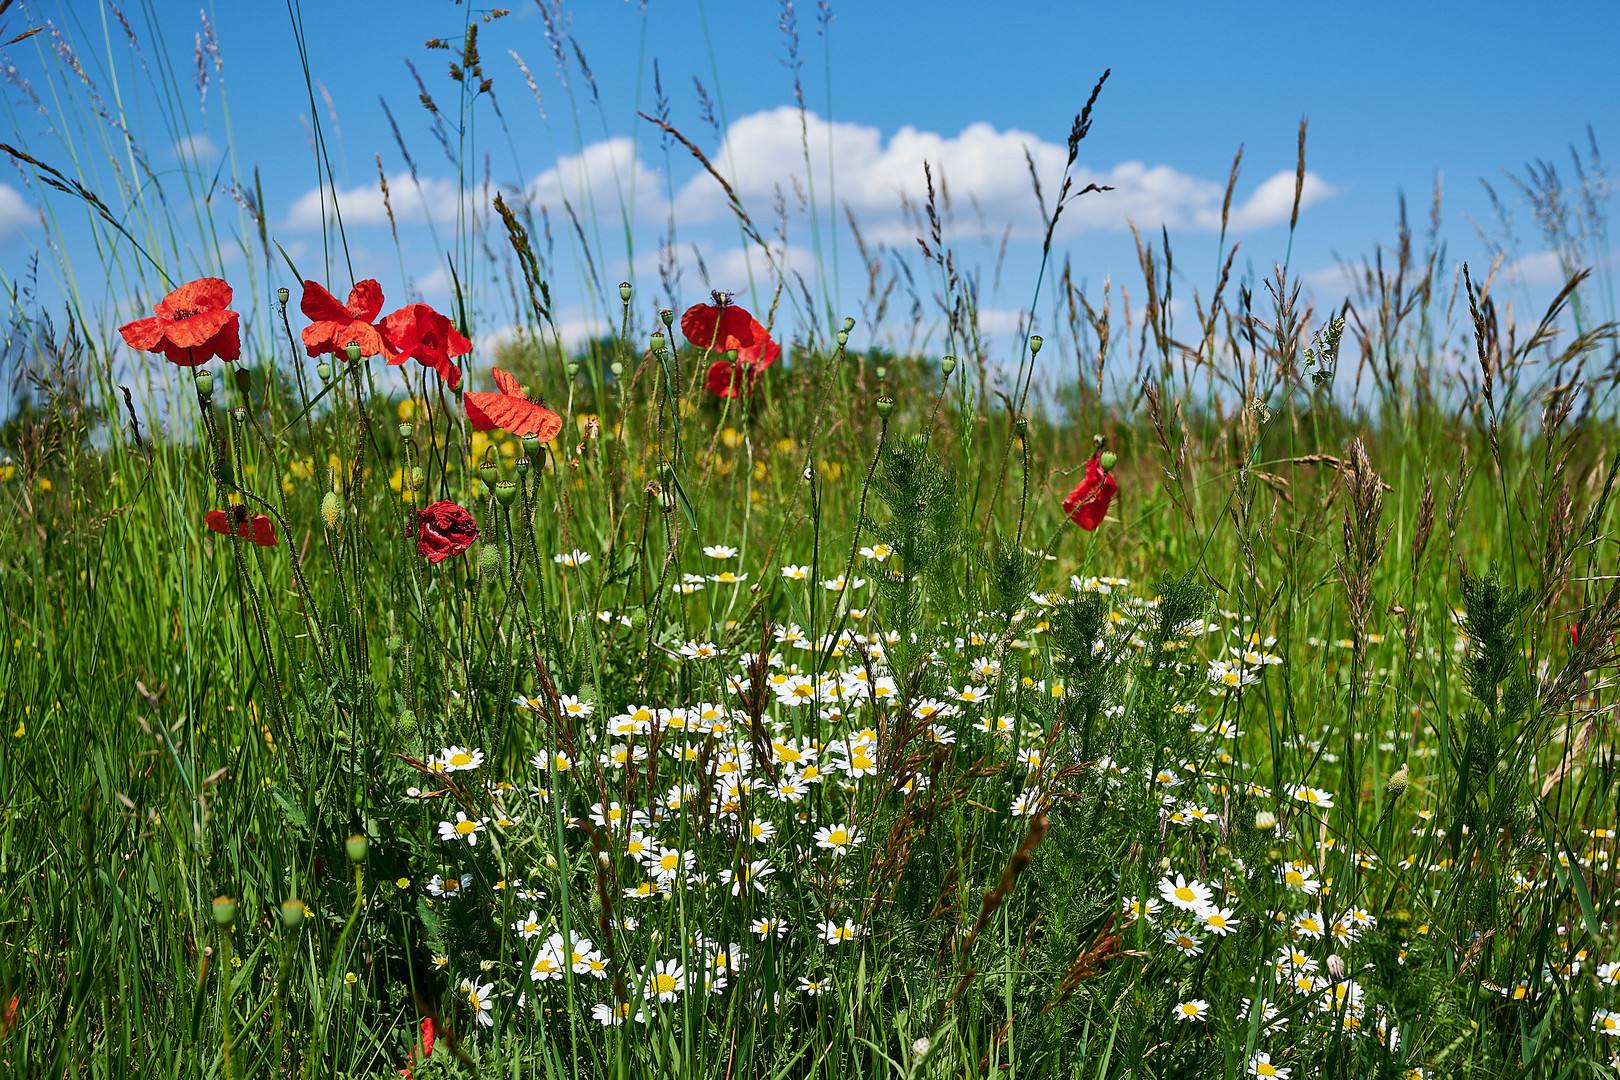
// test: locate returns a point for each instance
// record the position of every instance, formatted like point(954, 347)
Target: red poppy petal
point(202, 295)
point(720, 329)
point(508, 384)
point(219, 521)
point(264, 531)
point(514, 414)
point(320, 306)
point(365, 299)
point(194, 331)
point(144, 334)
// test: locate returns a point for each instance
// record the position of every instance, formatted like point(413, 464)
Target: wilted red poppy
point(1088, 503)
point(193, 325)
point(721, 326)
point(236, 521)
point(426, 1045)
point(442, 530)
point(333, 325)
point(730, 380)
point(420, 333)
point(510, 409)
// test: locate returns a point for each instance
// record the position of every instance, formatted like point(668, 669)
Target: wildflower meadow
point(1212, 688)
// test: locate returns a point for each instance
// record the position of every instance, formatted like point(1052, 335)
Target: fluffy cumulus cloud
point(605, 182)
point(983, 172)
point(15, 213)
point(418, 200)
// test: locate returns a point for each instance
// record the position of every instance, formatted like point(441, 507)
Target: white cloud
point(412, 201)
point(15, 213)
point(604, 181)
point(196, 147)
point(763, 153)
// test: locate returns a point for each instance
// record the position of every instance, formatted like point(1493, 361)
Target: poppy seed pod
point(531, 444)
point(849, 324)
point(1034, 344)
point(881, 372)
point(292, 911)
point(617, 368)
point(352, 351)
point(331, 509)
point(490, 470)
point(224, 910)
point(406, 431)
point(522, 465)
point(1021, 425)
point(667, 316)
point(947, 364)
point(239, 414)
point(244, 380)
point(843, 338)
point(658, 341)
point(1108, 459)
point(323, 370)
point(282, 295)
point(356, 847)
point(624, 291)
point(205, 384)
point(572, 367)
point(885, 406)
point(506, 491)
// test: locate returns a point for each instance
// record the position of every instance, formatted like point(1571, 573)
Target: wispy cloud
point(15, 213)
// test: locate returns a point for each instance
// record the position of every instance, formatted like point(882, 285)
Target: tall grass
point(798, 733)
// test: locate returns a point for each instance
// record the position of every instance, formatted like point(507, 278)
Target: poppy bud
point(292, 911)
point(1034, 344)
point(849, 324)
point(244, 380)
point(666, 315)
point(1396, 787)
point(531, 444)
point(885, 406)
point(843, 338)
point(393, 643)
point(522, 466)
point(355, 847)
point(416, 477)
point(572, 367)
point(1021, 425)
point(352, 351)
point(331, 509)
point(624, 291)
point(406, 430)
point(224, 910)
point(506, 491)
point(617, 368)
point(1108, 459)
point(658, 341)
point(947, 364)
point(205, 383)
point(282, 294)
point(489, 563)
point(323, 370)
point(881, 372)
point(490, 470)
point(665, 472)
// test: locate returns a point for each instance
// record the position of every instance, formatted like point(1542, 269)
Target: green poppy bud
point(666, 315)
point(624, 291)
point(665, 472)
point(323, 371)
point(489, 562)
point(617, 368)
point(506, 491)
point(205, 383)
point(352, 351)
point(1108, 459)
point(1396, 787)
point(331, 509)
point(356, 847)
point(416, 477)
point(292, 911)
point(885, 406)
point(1034, 344)
point(282, 294)
point(224, 910)
point(406, 431)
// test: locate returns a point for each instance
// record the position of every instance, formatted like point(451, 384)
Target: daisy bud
point(489, 560)
point(224, 910)
point(624, 291)
point(352, 351)
point(601, 857)
point(323, 371)
point(849, 324)
point(506, 491)
point(282, 294)
point(1108, 459)
point(1034, 344)
point(292, 911)
point(551, 861)
point(331, 509)
point(885, 406)
point(1335, 966)
point(1265, 821)
point(617, 368)
point(947, 365)
point(572, 368)
point(356, 847)
point(406, 431)
point(1164, 863)
point(667, 315)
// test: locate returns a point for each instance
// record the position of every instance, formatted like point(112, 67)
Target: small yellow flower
point(403, 883)
point(351, 978)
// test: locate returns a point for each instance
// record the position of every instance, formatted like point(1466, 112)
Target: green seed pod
point(416, 477)
point(572, 367)
point(885, 406)
point(331, 509)
point(531, 444)
point(224, 910)
point(282, 295)
point(1108, 459)
point(849, 324)
point(624, 291)
point(490, 470)
point(666, 315)
point(323, 371)
point(665, 472)
point(1034, 344)
point(244, 380)
point(356, 847)
point(352, 351)
point(881, 372)
point(947, 365)
point(407, 724)
point(843, 338)
point(239, 414)
point(658, 341)
point(522, 466)
point(1021, 425)
point(617, 368)
point(292, 911)
point(506, 491)
point(406, 431)
point(205, 383)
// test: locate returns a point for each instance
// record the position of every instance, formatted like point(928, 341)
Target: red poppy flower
point(510, 409)
point(193, 325)
point(422, 334)
point(333, 325)
point(426, 1045)
point(1088, 503)
point(762, 354)
point(442, 530)
point(257, 528)
point(721, 326)
point(730, 380)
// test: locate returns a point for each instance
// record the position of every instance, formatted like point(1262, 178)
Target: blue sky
point(1395, 93)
